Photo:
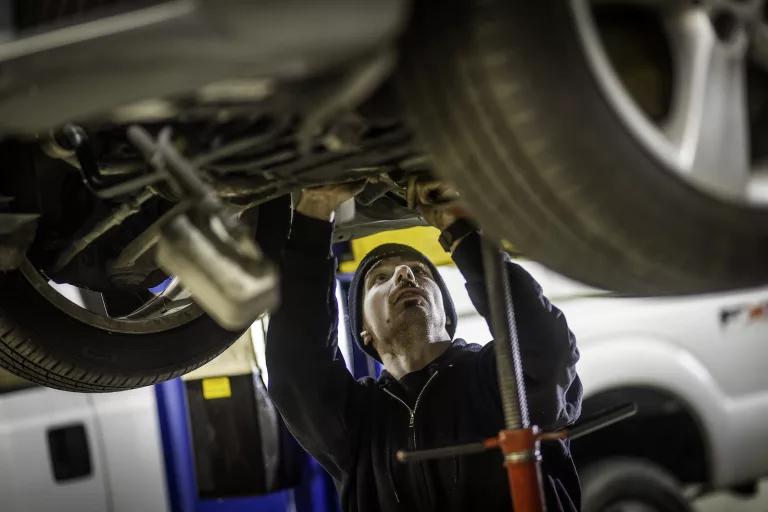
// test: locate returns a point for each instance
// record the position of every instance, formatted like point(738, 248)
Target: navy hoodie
point(355, 428)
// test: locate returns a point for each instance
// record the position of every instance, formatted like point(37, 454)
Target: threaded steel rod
point(509, 364)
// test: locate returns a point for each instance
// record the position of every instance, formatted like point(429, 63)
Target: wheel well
point(664, 431)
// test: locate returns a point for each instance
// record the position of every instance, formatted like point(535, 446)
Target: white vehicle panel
point(126, 453)
point(133, 450)
point(26, 479)
point(683, 346)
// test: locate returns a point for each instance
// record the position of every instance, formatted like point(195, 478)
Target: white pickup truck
point(696, 367)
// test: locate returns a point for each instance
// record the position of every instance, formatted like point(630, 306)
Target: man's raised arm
point(547, 346)
point(309, 383)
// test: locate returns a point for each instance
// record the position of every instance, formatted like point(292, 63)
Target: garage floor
point(724, 502)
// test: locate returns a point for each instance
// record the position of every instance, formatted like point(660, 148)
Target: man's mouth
point(407, 293)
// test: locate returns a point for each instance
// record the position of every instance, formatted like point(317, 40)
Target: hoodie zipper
point(412, 412)
point(389, 464)
point(411, 422)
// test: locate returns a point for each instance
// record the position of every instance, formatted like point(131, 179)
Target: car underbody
point(255, 137)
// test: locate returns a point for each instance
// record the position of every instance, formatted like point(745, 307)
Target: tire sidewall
point(610, 482)
point(79, 346)
point(551, 166)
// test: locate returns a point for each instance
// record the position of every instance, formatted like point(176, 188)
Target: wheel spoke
point(119, 303)
point(175, 296)
point(93, 301)
point(708, 124)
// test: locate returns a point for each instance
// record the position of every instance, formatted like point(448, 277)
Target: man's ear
point(367, 338)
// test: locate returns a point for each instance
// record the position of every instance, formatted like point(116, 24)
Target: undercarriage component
point(132, 52)
point(206, 247)
point(374, 191)
point(248, 160)
point(105, 188)
point(256, 181)
point(227, 277)
point(136, 261)
point(115, 219)
point(17, 230)
point(353, 90)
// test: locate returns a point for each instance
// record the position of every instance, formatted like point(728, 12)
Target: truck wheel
point(630, 485)
point(619, 143)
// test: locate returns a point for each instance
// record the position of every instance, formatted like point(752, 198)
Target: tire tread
point(21, 355)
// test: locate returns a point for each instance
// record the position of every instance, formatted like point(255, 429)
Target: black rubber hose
point(509, 364)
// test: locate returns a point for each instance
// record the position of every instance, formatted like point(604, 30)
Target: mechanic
point(434, 391)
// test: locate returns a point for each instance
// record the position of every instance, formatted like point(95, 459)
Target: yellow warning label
point(216, 388)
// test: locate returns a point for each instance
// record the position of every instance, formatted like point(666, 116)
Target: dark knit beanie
point(358, 282)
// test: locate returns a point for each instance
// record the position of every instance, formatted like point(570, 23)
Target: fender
point(612, 362)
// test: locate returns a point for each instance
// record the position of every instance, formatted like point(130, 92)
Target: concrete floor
point(724, 502)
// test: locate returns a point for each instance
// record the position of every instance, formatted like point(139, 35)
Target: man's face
point(400, 294)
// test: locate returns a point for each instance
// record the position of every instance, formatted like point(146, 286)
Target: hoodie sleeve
point(547, 345)
point(309, 382)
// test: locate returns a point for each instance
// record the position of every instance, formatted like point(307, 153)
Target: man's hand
point(321, 202)
point(436, 201)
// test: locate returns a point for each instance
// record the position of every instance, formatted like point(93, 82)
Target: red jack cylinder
point(522, 459)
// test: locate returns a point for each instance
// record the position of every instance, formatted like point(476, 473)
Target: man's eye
point(419, 271)
point(380, 278)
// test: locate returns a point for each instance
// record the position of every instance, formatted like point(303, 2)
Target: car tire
point(43, 344)
point(43, 341)
point(503, 98)
point(633, 484)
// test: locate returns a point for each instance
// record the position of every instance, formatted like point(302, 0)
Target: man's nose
point(404, 272)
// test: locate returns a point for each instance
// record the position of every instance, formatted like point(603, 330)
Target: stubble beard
point(410, 329)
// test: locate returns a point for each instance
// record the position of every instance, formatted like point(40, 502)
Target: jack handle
point(592, 424)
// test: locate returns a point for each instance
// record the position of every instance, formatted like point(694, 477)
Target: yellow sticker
point(216, 388)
